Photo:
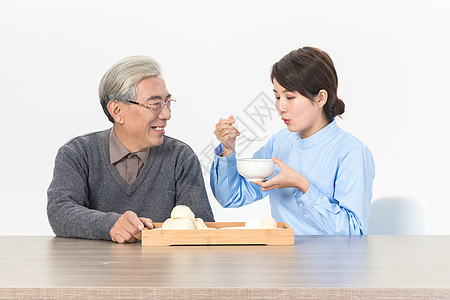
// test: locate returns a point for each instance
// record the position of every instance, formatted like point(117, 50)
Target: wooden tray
point(283, 235)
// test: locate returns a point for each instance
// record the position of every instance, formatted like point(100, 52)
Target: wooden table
point(327, 267)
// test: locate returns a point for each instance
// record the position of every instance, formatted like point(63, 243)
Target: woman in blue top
point(323, 179)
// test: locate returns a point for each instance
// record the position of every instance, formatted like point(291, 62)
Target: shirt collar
point(117, 151)
point(319, 136)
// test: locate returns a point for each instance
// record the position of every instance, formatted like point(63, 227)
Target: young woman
point(323, 179)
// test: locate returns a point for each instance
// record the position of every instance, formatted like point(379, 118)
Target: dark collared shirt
point(127, 163)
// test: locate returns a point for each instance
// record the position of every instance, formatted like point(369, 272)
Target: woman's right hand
point(226, 134)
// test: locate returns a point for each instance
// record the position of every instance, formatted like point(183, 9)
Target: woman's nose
point(281, 106)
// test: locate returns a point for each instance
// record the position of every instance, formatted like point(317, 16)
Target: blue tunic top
point(338, 166)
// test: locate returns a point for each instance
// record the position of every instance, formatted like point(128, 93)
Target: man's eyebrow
point(154, 98)
point(158, 97)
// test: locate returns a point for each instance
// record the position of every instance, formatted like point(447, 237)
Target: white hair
point(120, 81)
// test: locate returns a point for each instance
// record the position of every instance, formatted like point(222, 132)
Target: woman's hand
point(287, 178)
point(226, 134)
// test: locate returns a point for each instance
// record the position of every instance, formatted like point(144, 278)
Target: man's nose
point(165, 113)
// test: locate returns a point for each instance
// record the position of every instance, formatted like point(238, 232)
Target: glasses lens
point(157, 106)
point(170, 104)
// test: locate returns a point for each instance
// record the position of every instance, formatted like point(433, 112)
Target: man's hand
point(128, 228)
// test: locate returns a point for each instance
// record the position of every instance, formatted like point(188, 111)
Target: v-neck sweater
point(87, 195)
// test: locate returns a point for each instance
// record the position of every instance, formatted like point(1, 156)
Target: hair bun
point(339, 107)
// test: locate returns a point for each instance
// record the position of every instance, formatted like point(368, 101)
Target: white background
point(392, 59)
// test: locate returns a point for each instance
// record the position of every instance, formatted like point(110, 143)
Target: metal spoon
point(256, 138)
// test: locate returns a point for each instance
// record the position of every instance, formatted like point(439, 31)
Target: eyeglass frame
point(171, 102)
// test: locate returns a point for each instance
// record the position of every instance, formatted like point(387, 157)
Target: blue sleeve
point(228, 186)
point(348, 212)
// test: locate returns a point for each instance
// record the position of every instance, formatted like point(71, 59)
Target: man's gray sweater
point(87, 195)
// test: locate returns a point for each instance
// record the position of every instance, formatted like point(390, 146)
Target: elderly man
point(113, 183)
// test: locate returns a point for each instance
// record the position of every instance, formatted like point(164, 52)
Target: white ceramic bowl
point(255, 168)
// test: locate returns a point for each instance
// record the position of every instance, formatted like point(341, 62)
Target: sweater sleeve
point(68, 199)
point(190, 186)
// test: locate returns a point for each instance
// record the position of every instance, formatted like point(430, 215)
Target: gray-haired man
point(113, 183)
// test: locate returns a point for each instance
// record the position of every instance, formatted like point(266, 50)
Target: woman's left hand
point(287, 178)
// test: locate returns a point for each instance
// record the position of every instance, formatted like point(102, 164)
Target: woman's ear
point(115, 111)
point(321, 98)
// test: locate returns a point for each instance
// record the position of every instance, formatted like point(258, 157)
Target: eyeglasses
point(156, 106)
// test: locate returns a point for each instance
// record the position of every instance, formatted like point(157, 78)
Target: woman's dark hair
point(307, 71)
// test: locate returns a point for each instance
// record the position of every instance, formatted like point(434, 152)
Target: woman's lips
point(286, 121)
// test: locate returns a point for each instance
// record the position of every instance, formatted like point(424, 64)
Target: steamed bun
point(182, 212)
point(166, 224)
point(182, 217)
point(199, 224)
point(178, 224)
point(269, 223)
point(258, 223)
point(253, 223)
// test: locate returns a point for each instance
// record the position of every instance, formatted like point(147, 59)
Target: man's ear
point(115, 111)
point(321, 98)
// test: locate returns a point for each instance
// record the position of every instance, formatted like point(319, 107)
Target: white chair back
point(398, 215)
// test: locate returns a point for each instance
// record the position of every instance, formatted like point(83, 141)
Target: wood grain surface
point(222, 233)
point(394, 267)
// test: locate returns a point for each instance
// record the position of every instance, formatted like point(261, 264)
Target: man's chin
point(154, 142)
